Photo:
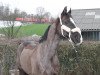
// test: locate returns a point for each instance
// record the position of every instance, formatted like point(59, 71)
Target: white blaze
point(72, 21)
point(76, 30)
point(68, 9)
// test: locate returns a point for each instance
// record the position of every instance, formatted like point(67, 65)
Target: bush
point(7, 57)
point(85, 62)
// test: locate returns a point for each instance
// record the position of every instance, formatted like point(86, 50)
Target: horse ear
point(69, 11)
point(65, 10)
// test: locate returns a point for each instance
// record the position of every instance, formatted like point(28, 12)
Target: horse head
point(68, 29)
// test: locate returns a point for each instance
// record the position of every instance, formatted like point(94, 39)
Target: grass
point(28, 30)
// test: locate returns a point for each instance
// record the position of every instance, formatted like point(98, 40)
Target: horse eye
point(66, 22)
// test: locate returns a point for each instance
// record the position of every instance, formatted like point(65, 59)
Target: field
point(25, 30)
point(28, 30)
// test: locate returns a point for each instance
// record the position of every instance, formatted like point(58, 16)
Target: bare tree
point(40, 13)
point(47, 15)
point(23, 14)
point(16, 12)
point(8, 19)
point(1, 10)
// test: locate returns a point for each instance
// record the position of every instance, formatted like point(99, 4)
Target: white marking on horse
point(67, 29)
point(76, 30)
point(81, 40)
point(68, 9)
point(64, 27)
point(72, 21)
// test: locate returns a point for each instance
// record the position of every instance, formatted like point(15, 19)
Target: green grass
point(28, 30)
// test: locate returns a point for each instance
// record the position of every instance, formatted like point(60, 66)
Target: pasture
point(31, 29)
point(24, 30)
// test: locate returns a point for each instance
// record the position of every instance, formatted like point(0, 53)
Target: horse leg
point(22, 72)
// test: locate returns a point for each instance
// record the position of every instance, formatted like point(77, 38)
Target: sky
point(53, 6)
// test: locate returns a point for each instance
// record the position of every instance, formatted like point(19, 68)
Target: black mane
point(44, 37)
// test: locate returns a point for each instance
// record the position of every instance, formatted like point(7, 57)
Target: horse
point(41, 58)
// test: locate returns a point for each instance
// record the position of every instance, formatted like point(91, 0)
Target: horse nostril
point(54, 73)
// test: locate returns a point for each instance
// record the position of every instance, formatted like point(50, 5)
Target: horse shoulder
point(25, 57)
point(25, 60)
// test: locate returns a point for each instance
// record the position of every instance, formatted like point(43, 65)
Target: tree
point(17, 12)
point(1, 11)
point(23, 14)
point(40, 13)
point(8, 19)
point(47, 15)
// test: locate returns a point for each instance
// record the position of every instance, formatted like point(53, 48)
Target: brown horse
point(41, 59)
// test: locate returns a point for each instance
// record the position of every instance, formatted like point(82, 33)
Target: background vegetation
point(85, 62)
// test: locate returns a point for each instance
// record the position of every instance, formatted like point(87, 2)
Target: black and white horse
point(69, 29)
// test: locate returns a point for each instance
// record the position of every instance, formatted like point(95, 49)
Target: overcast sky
point(52, 6)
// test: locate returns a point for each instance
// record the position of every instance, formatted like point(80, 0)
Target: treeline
point(6, 14)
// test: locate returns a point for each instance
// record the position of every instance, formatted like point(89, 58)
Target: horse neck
point(47, 50)
point(52, 34)
point(52, 41)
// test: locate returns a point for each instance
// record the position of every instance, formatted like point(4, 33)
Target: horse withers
point(41, 59)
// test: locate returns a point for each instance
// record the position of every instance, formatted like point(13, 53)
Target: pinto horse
point(41, 59)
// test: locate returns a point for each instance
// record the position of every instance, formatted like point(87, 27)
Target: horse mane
point(44, 37)
point(57, 21)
